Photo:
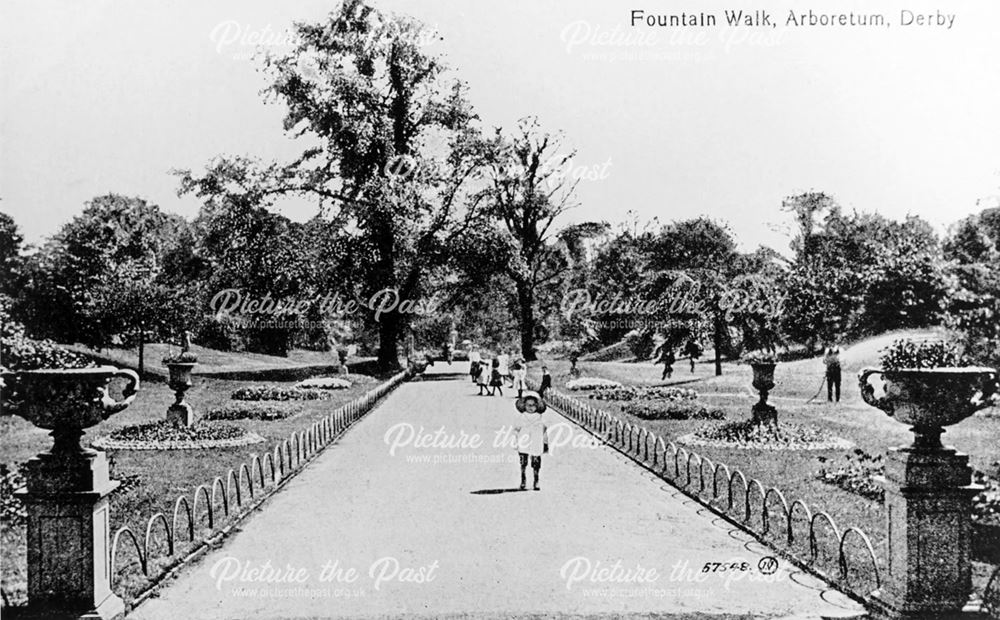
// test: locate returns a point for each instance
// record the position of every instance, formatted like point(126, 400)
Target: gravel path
point(426, 530)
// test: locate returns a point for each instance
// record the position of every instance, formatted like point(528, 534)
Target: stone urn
point(180, 413)
point(763, 382)
point(928, 488)
point(929, 399)
point(66, 401)
point(66, 494)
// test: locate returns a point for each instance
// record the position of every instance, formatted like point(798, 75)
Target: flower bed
point(276, 392)
point(746, 434)
point(162, 435)
point(672, 410)
point(856, 474)
point(592, 383)
point(323, 383)
point(252, 410)
point(652, 393)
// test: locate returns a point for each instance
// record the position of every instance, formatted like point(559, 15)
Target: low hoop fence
point(805, 535)
point(214, 507)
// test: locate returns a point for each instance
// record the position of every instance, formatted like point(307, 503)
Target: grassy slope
point(793, 472)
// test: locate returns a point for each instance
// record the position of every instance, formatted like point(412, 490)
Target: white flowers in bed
point(324, 383)
point(592, 383)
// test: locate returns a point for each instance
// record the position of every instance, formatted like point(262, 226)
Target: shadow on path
point(497, 491)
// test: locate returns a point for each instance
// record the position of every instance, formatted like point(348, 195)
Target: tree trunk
point(526, 306)
point(388, 341)
point(719, 325)
point(142, 352)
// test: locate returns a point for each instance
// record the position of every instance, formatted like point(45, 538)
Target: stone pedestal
point(928, 503)
point(69, 555)
point(180, 414)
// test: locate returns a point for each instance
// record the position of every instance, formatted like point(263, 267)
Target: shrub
point(249, 410)
point(672, 410)
point(11, 508)
point(856, 475)
point(17, 352)
point(591, 383)
point(907, 353)
point(324, 383)
point(276, 392)
point(986, 504)
point(641, 343)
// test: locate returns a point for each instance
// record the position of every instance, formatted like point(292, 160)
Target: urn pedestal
point(928, 512)
point(180, 413)
point(763, 382)
point(928, 490)
point(66, 492)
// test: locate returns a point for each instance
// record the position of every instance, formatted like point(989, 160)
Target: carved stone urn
point(180, 413)
point(763, 382)
point(929, 489)
point(929, 399)
point(67, 489)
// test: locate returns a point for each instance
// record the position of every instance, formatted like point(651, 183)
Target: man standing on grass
point(832, 362)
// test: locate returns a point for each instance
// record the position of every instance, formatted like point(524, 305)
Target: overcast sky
point(109, 96)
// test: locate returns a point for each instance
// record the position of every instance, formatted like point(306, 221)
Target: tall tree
point(529, 192)
point(392, 150)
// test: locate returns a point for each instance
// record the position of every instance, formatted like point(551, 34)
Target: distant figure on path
point(532, 435)
point(496, 379)
point(449, 353)
point(546, 381)
point(667, 358)
point(474, 362)
point(692, 350)
point(520, 372)
point(483, 378)
point(832, 362)
point(503, 366)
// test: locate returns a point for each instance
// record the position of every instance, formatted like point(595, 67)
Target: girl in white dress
point(532, 434)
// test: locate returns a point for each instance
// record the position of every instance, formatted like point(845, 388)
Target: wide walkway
point(399, 519)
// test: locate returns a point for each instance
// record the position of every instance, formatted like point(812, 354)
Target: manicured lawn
point(792, 472)
point(159, 476)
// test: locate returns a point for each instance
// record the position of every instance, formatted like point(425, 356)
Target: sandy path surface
point(386, 524)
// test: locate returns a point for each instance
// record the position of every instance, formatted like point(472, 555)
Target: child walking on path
point(520, 371)
point(546, 381)
point(532, 435)
point(483, 377)
point(496, 379)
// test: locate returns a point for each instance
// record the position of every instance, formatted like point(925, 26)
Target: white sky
point(109, 96)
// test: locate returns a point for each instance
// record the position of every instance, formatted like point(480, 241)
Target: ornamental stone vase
point(929, 489)
point(180, 413)
point(67, 489)
point(763, 382)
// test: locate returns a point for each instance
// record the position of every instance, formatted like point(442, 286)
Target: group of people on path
point(492, 374)
point(530, 432)
point(664, 354)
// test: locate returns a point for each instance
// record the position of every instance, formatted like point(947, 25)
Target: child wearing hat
point(532, 434)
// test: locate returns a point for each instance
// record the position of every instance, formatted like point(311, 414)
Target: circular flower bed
point(746, 434)
point(251, 410)
point(277, 392)
point(592, 383)
point(323, 383)
point(162, 435)
point(652, 393)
